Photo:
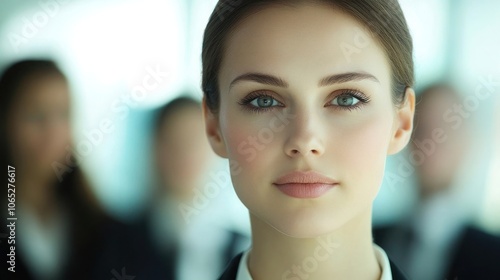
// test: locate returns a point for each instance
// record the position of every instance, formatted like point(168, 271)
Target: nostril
point(296, 152)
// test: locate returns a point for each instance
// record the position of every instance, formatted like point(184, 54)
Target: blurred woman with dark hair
point(60, 228)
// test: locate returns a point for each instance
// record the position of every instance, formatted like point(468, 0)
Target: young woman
point(61, 230)
point(306, 99)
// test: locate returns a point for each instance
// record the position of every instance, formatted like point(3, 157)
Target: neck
point(347, 253)
point(182, 193)
point(37, 195)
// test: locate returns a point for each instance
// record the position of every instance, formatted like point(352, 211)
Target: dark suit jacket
point(232, 270)
point(476, 254)
point(110, 250)
point(99, 247)
point(156, 264)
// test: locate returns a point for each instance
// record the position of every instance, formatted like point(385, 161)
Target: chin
point(305, 226)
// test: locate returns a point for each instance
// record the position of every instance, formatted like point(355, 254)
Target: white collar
point(383, 260)
point(44, 247)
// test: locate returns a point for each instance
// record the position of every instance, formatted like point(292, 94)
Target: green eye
point(345, 100)
point(264, 102)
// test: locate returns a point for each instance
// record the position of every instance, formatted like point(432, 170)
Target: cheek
point(25, 139)
point(362, 151)
point(252, 146)
point(242, 145)
point(239, 132)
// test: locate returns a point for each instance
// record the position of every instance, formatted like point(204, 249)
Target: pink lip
point(304, 184)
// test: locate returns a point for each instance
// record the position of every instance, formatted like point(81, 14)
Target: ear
point(403, 123)
point(212, 129)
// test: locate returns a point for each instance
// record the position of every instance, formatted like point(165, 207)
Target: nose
point(304, 137)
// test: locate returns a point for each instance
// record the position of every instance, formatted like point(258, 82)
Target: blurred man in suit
point(192, 222)
point(438, 240)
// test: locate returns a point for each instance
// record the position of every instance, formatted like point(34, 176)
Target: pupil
point(264, 101)
point(346, 101)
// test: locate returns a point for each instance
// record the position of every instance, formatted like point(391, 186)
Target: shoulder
point(479, 243)
point(480, 236)
point(383, 231)
point(232, 269)
point(476, 251)
point(396, 273)
point(389, 269)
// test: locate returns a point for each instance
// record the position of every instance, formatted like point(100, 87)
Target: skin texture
point(302, 45)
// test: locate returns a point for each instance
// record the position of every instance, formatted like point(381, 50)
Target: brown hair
point(73, 187)
point(173, 107)
point(383, 18)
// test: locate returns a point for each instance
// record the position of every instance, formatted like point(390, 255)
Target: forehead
point(182, 121)
point(434, 104)
point(311, 38)
point(44, 90)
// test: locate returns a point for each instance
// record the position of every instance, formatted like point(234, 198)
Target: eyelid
point(245, 101)
point(259, 93)
point(362, 98)
point(349, 92)
point(358, 94)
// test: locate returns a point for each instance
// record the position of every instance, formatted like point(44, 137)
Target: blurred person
point(438, 240)
point(61, 230)
point(189, 232)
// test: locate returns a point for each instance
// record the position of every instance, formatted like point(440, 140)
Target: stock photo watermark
point(360, 39)
point(201, 198)
point(11, 219)
point(122, 276)
point(31, 26)
point(455, 116)
point(220, 180)
point(309, 265)
point(120, 109)
point(359, 42)
point(257, 143)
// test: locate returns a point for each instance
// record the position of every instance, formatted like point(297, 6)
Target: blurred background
point(124, 60)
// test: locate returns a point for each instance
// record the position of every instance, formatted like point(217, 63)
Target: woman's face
point(443, 163)
point(183, 154)
point(321, 102)
point(39, 131)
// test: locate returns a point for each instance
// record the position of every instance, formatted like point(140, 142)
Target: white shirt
point(202, 232)
point(43, 246)
point(383, 260)
point(437, 224)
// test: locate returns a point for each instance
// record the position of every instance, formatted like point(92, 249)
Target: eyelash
point(245, 102)
point(363, 100)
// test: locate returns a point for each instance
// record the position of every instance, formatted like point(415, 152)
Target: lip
point(304, 184)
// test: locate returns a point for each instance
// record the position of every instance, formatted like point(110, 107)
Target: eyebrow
point(346, 77)
point(260, 78)
point(326, 81)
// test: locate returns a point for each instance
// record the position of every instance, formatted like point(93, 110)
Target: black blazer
point(476, 254)
point(156, 264)
point(232, 270)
